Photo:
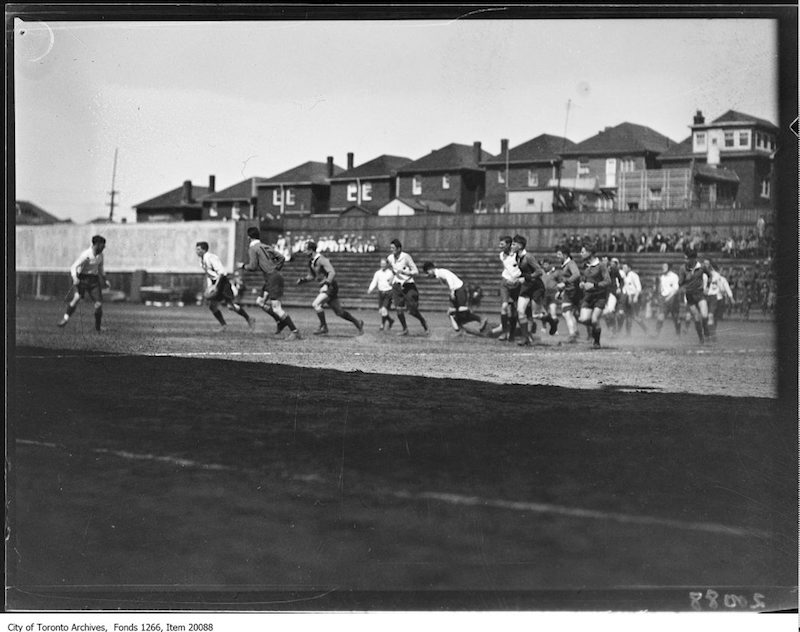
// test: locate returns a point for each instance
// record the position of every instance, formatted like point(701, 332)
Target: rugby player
point(531, 291)
point(218, 287)
point(88, 279)
point(459, 312)
point(404, 290)
point(596, 284)
point(382, 281)
point(571, 294)
point(692, 280)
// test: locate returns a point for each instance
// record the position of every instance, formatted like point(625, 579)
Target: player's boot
point(403, 332)
point(294, 335)
point(64, 320)
point(321, 331)
point(360, 327)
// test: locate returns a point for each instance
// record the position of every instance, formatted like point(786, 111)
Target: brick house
point(238, 201)
point(301, 191)
point(738, 143)
point(366, 188)
point(597, 161)
point(530, 166)
point(183, 204)
point(451, 175)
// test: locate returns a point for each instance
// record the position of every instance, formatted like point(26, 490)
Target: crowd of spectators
point(290, 245)
point(749, 244)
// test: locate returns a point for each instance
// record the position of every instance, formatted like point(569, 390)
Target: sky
point(185, 100)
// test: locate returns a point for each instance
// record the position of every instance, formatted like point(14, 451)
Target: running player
point(630, 299)
point(571, 294)
point(531, 290)
point(459, 312)
point(382, 281)
point(218, 288)
point(668, 296)
point(510, 284)
point(270, 262)
point(320, 269)
point(550, 280)
point(88, 279)
point(595, 284)
point(404, 291)
point(718, 294)
point(692, 280)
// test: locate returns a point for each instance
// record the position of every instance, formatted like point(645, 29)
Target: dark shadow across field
point(237, 485)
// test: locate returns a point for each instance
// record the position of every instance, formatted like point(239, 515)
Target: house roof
point(381, 167)
point(431, 206)
point(240, 191)
point(680, 150)
point(28, 213)
point(453, 157)
point(308, 173)
point(543, 148)
point(624, 138)
point(174, 198)
point(732, 116)
point(721, 174)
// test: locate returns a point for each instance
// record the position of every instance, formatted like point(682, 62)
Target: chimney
point(699, 119)
point(477, 149)
point(330, 166)
point(212, 181)
point(186, 197)
point(349, 160)
point(503, 146)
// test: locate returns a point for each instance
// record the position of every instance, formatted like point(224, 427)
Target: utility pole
point(113, 192)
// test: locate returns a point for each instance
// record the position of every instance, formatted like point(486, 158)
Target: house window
point(728, 139)
point(289, 197)
point(744, 139)
point(533, 178)
point(352, 192)
point(366, 191)
point(446, 181)
point(655, 194)
point(416, 185)
point(235, 214)
point(700, 140)
point(627, 164)
point(765, 188)
point(583, 167)
point(501, 177)
point(212, 212)
point(277, 197)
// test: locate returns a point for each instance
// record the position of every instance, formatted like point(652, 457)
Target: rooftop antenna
point(113, 191)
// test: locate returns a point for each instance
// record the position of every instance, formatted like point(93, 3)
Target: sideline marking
point(458, 499)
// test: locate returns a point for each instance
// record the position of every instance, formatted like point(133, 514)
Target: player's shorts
point(571, 297)
point(694, 298)
point(509, 291)
point(671, 306)
point(224, 292)
point(460, 297)
point(550, 295)
point(405, 296)
point(333, 290)
point(273, 286)
point(385, 299)
point(89, 284)
point(713, 303)
point(596, 299)
point(610, 303)
point(533, 290)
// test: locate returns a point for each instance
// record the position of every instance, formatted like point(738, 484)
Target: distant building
point(366, 188)
point(183, 204)
point(302, 190)
point(523, 173)
point(451, 175)
point(28, 214)
point(735, 142)
point(239, 201)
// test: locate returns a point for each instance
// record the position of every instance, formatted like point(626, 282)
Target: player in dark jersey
point(571, 293)
point(692, 280)
point(595, 283)
point(321, 270)
point(532, 291)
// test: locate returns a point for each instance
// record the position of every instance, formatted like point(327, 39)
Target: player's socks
point(220, 318)
point(699, 328)
point(402, 318)
point(98, 319)
point(287, 322)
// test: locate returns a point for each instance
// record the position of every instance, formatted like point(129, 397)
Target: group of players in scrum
point(589, 293)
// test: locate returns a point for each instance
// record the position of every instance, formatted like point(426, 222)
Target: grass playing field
point(160, 464)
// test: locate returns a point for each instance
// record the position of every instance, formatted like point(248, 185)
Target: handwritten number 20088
point(711, 600)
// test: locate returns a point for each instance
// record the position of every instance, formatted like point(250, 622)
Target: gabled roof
point(680, 150)
point(732, 116)
point(543, 148)
point(307, 173)
point(430, 206)
point(240, 191)
point(174, 198)
point(624, 138)
point(28, 213)
point(383, 166)
point(451, 157)
point(708, 172)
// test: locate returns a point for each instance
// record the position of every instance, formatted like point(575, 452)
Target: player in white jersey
point(218, 288)
point(510, 284)
point(459, 312)
point(382, 281)
point(88, 279)
point(630, 299)
point(405, 293)
point(718, 294)
point(668, 297)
